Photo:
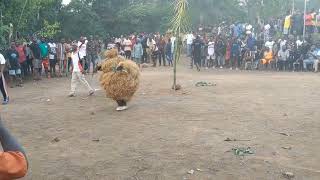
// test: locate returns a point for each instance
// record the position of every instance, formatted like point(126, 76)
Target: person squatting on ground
point(3, 86)
point(77, 73)
point(13, 159)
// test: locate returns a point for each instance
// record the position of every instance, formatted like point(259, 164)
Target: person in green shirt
point(44, 49)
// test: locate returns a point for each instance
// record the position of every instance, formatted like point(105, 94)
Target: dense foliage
point(114, 17)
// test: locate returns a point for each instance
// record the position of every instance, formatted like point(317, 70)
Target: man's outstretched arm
point(13, 161)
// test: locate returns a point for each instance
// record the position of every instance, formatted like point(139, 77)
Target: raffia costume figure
point(120, 78)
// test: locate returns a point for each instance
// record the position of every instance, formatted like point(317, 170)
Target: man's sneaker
point(91, 92)
point(221, 67)
point(6, 101)
point(71, 95)
point(121, 108)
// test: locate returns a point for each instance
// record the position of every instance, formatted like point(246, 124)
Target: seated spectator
point(311, 57)
point(283, 56)
point(269, 44)
point(13, 161)
point(267, 57)
point(317, 61)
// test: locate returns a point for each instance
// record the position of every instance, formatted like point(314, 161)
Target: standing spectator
point(196, 46)
point(189, 39)
point(20, 48)
point(287, 24)
point(150, 45)
point(137, 52)
point(44, 47)
point(266, 32)
point(61, 56)
point(68, 56)
point(309, 22)
point(13, 161)
point(29, 60)
point(154, 54)
point(82, 51)
point(161, 46)
point(3, 86)
point(318, 21)
point(52, 57)
point(297, 23)
point(211, 54)
point(145, 47)
point(169, 52)
point(127, 47)
point(220, 51)
point(77, 73)
point(92, 52)
point(228, 53)
point(235, 54)
point(36, 59)
point(14, 66)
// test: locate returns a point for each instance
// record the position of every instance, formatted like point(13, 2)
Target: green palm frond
point(180, 21)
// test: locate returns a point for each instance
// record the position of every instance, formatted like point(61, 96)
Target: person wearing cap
point(13, 159)
point(77, 73)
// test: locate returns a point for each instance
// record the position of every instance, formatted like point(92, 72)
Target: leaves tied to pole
point(179, 24)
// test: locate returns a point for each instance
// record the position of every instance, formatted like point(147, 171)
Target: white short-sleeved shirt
point(2, 60)
point(269, 44)
point(75, 62)
point(211, 48)
point(190, 39)
point(82, 49)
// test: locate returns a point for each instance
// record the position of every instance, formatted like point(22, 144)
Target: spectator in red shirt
point(21, 49)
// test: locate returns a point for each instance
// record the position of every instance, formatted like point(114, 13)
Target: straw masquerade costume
point(120, 78)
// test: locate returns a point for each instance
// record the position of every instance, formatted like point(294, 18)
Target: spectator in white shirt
point(189, 39)
point(77, 73)
point(3, 86)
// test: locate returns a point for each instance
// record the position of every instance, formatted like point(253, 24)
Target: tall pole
point(293, 6)
point(304, 20)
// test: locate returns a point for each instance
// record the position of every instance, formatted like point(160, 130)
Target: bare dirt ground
point(165, 134)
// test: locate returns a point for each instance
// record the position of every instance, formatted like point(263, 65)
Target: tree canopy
point(115, 17)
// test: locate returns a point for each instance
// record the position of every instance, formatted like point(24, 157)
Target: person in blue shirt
point(137, 52)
